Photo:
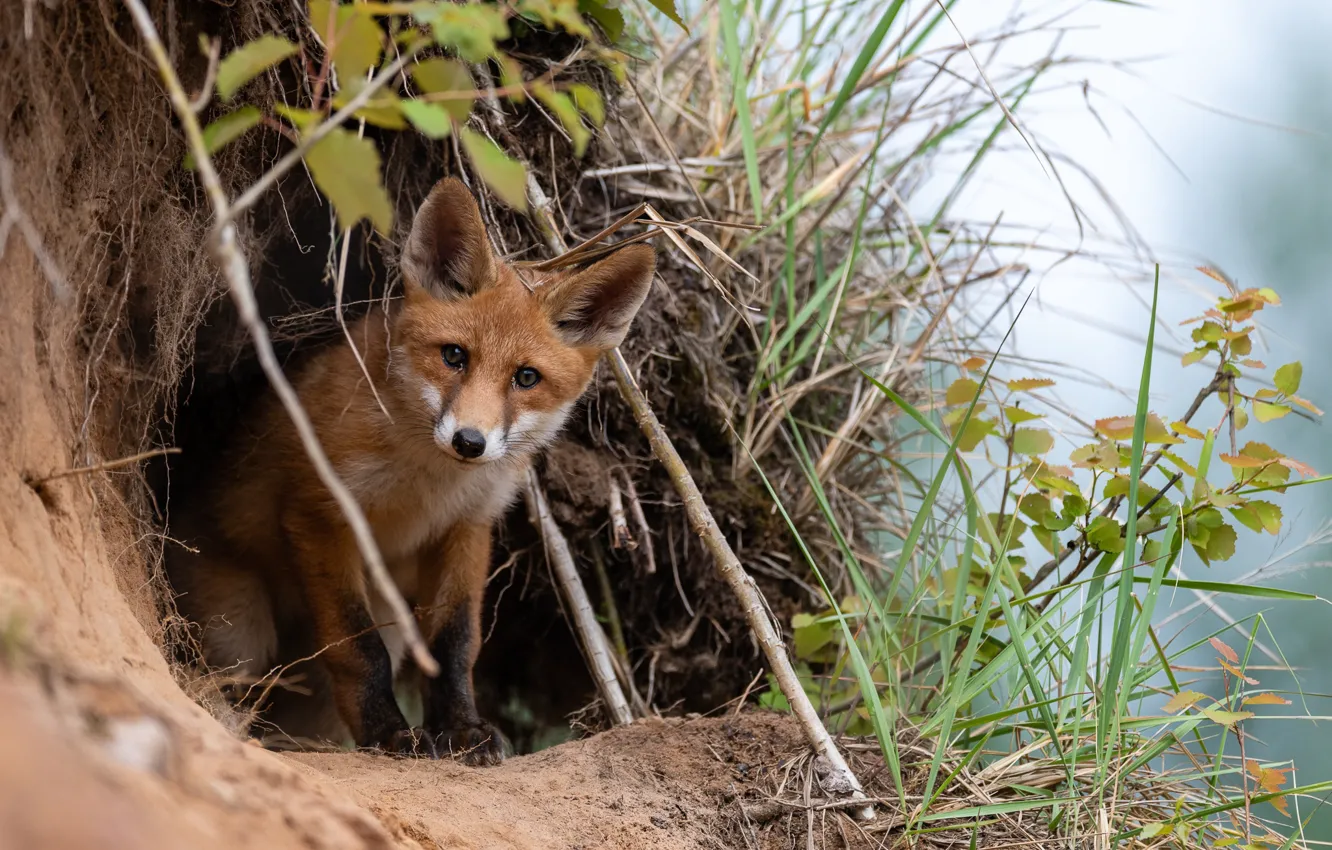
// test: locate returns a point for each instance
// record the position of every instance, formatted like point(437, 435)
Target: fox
point(475, 370)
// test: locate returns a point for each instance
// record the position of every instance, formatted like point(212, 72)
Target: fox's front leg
point(353, 652)
point(453, 573)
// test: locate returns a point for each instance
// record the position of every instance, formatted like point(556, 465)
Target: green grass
point(978, 598)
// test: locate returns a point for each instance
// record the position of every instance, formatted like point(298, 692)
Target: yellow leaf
point(1183, 428)
point(1183, 700)
point(1024, 384)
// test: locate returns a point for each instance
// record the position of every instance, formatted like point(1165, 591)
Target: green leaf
point(248, 61)
point(1106, 534)
point(610, 19)
point(589, 102)
point(976, 430)
point(1032, 441)
point(383, 111)
point(1226, 718)
point(1234, 589)
point(353, 39)
point(225, 129)
point(505, 176)
point(667, 8)
point(438, 76)
point(347, 170)
point(471, 29)
point(563, 107)
point(1017, 415)
point(431, 119)
point(1287, 378)
point(563, 13)
point(1266, 411)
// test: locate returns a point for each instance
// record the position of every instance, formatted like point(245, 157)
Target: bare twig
point(620, 536)
point(237, 273)
point(590, 635)
point(103, 466)
point(644, 530)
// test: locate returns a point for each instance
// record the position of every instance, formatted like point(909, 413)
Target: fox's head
point(493, 358)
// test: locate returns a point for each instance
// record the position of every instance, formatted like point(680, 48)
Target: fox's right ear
point(447, 254)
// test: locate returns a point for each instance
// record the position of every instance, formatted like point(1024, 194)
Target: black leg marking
point(381, 721)
point(450, 705)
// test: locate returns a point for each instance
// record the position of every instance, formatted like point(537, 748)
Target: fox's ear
point(594, 307)
point(447, 254)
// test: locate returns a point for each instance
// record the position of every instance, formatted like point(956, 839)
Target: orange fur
point(278, 576)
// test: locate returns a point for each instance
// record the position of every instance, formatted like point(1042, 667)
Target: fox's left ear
point(595, 306)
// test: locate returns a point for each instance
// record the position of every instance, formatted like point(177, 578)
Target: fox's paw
point(416, 743)
point(477, 744)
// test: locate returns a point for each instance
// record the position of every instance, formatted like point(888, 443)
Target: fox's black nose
point(469, 442)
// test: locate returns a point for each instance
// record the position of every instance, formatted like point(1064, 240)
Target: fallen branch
point(740, 582)
point(236, 270)
point(584, 618)
point(841, 779)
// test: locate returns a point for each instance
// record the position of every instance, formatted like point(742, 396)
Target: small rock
point(660, 822)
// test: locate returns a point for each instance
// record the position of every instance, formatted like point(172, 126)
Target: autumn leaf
point(1265, 699)
point(961, 391)
point(973, 364)
point(1121, 428)
point(1237, 673)
point(1024, 384)
point(1226, 652)
point(1183, 428)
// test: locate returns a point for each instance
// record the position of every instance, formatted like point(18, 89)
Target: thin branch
point(584, 617)
point(620, 536)
point(103, 466)
point(741, 584)
point(237, 273)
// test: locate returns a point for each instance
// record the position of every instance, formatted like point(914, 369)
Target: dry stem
point(583, 616)
point(742, 585)
point(237, 273)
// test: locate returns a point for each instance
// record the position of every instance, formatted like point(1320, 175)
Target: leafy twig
point(237, 273)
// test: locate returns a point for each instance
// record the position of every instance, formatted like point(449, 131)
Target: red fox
point(477, 366)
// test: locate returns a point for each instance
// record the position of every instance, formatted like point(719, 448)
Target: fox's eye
point(526, 378)
point(454, 355)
